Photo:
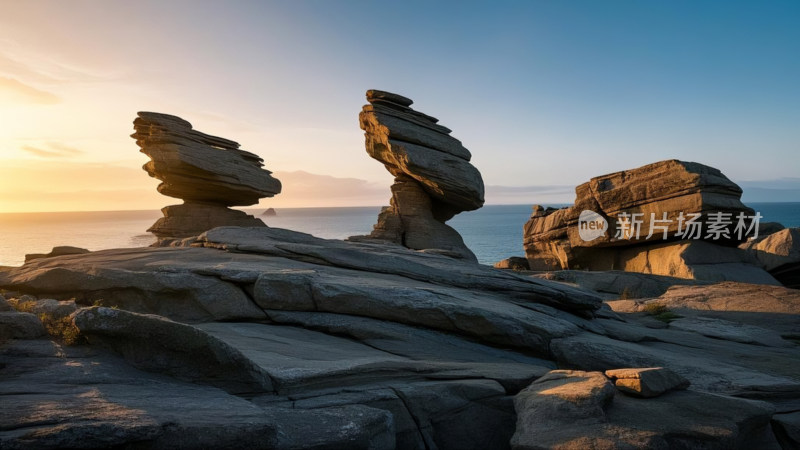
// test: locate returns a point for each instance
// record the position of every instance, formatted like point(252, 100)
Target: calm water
point(493, 232)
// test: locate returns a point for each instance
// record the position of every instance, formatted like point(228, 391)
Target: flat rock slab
point(392, 259)
point(85, 399)
point(157, 344)
point(460, 414)
point(627, 285)
point(774, 308)
point(301, 360)
point(647, 382)
point(731, 331)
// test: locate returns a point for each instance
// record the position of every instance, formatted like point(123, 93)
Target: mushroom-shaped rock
point(208, 172)
point(434, 179)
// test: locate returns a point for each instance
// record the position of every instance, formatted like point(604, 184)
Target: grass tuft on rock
point(660, 312)
point(22, 306)
point(61, 328)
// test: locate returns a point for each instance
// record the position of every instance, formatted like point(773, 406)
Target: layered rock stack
point(433, 177)
point(641, 222)
point(208, 173)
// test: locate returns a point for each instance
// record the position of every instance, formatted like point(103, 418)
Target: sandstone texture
point(209, 173)
point(646, 382)
point(778, 253)
point(643, 220)
point(433, 177)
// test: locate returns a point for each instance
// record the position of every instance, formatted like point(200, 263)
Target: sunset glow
point(541, 93)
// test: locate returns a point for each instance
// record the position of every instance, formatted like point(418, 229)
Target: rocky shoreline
point(259, 337)
point(250, 333)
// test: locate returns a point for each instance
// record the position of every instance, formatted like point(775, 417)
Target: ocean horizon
point(493, 232)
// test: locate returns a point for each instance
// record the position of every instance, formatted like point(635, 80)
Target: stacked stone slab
point(434, 179)
point(552, 238)
point(208, 173)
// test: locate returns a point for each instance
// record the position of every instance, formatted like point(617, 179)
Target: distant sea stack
point(208, 173)
point(434, 179)
point(269, 212)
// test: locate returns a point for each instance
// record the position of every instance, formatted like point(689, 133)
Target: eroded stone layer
point(434, 179)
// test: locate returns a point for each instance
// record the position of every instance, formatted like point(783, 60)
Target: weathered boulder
point(209, 173)
point(433, 177)
point(578, 410)
point(779, 253)
point(626, 209)
point(20, 325)
point(558, 397)
point(777, 249)
point(513, 263)
point(646, 382)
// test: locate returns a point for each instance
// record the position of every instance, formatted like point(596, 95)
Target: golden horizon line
point(260, 208)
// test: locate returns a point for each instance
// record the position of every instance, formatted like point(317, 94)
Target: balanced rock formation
point(619, 219)
point(209, 173)
point(433, 177)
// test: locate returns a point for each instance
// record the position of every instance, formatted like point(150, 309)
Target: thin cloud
point(17, 90)
point(65, 149)
point(40, 68)
point(55, 150)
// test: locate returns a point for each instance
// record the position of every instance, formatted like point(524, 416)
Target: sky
point(545, 94)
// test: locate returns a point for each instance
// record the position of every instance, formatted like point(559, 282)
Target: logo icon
point(591, 225)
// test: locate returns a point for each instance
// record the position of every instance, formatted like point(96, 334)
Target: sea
point(493, 232)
